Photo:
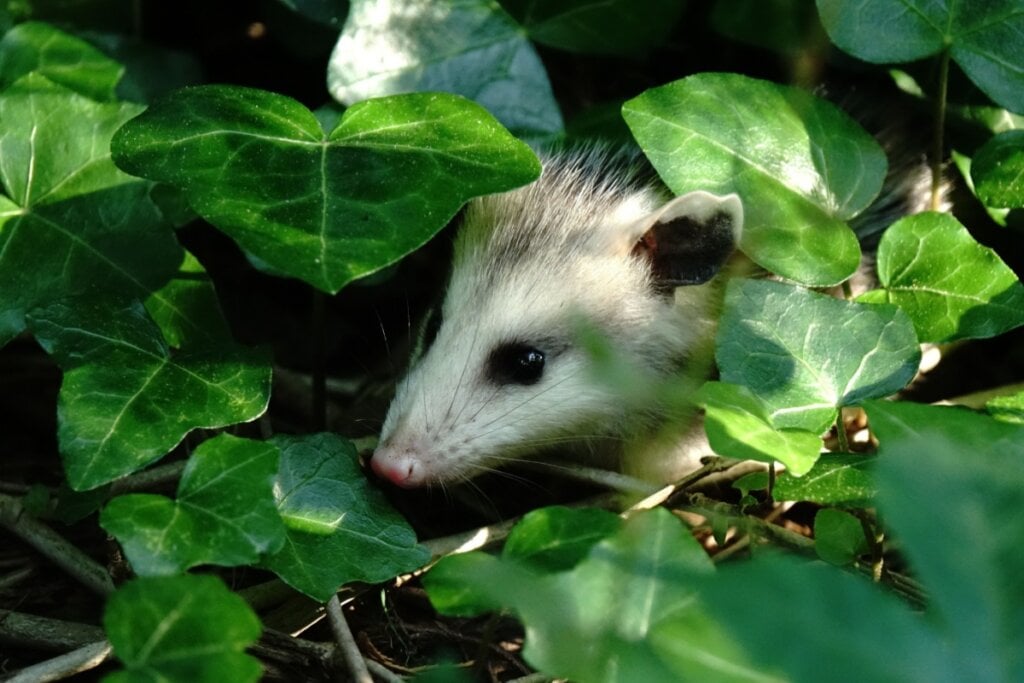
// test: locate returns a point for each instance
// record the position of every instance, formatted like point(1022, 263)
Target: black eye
point(515, 363)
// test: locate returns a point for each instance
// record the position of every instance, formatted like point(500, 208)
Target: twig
point(41, 633)
point(382, 672)
point(149, 479)
point(16, 577)
point(75, 662)
point(51, 544)
point(347, 648)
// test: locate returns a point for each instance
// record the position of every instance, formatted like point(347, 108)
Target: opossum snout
point(398, 465)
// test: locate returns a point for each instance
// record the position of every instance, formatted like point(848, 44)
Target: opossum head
point(586, 244)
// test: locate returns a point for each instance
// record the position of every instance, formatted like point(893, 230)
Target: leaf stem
point(318, 416)
point(938, 143)
point(844, 443)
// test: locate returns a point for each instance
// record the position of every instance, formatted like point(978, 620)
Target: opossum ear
point(688, 239)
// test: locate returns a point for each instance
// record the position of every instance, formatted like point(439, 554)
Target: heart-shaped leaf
point(838, 537)
point(61, 58)
point(556, 538)
point(806, 354)
point(983, 37)
point(950, 286)
point(844, 479)
point(224, 512)
point(181, 628)
point(800, 165)
point(338, 527)
point(324, 208)
point(468, 47)
point(71, 224)
point(127, 398)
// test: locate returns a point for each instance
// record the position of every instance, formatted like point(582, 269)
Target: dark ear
point(687, 240)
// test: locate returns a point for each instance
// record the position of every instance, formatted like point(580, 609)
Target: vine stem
point(844, 443)
point(318, 417)
point(940, 127)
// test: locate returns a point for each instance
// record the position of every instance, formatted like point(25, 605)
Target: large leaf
point(617, 27)
point(983, 37)
point(127, 398)
point(950, 286)
point(468, 47)
point(181, 628)
point(338, 527)
point(324, 208)
point(998, 170)
point(952, 478)
point(806, 354)
point(62, 58)
point(224, 512)
point(845, 479)
point(738, 426)
point(801, 166)
point(70, 222)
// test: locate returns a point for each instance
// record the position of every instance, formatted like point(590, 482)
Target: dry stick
point(41, 633)
point(51, 544)
point(382, 672)
point(347, 648)
point(75, 662)
point(149, 478)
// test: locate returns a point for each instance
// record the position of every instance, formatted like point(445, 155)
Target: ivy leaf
point(836, 479)
point(974, 465)
point(982, 37)
point(998, 170)
point(323, 208)
point(468, 47)
point(1007, 408)
point(556, 538)
point(950, 286)
point(585, 25)
point(738, 426)
point(70, 222)
point(801, 166)
point(805, 355)
point(181, 628)
point(126, 398)
point(338, 527)
point(61, 58)
point(838, 537)
point(224, 512)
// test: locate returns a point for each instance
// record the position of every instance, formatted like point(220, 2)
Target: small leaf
point(224, 512)
point(324, 208)
point(1007, 408)
point(800, 165)
point(983, 37)
point(844, 479)
point(556, 538)
point(949, 285)
point(126, 398)
point(181, 628)
point(468, 47)
point(998, 170)
point(61, 58)
point(805, 354)
point(339, 528)
point(738, 426)
point(838, 537)
point(586, 25)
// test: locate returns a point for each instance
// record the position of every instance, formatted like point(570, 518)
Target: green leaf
point(998, 170)
point(806, 354)
point(338, 527)
point(468, 47)
point(790, 27)
point(61, 58)
point(756, 601)
point(630, 603)
point(953, 478)
point(70, 222)
point(181, 629)
point(557, 538)
point(126, 398)
point(1007, 408)
point(327, 12)
point(838, 537)
point(324, 208)
point(588, 25)
point(983, 37)
point(224, 512)
point(845, 479)
point(738, 426)
point(949, 285)
point(801, 166)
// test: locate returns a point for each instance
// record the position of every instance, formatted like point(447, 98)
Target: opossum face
point(506, 374)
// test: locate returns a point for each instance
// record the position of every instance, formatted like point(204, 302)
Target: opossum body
point(588, 244)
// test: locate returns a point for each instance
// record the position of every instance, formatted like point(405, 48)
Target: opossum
point(595, 244)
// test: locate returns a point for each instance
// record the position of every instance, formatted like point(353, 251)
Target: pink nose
point(400, 468)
